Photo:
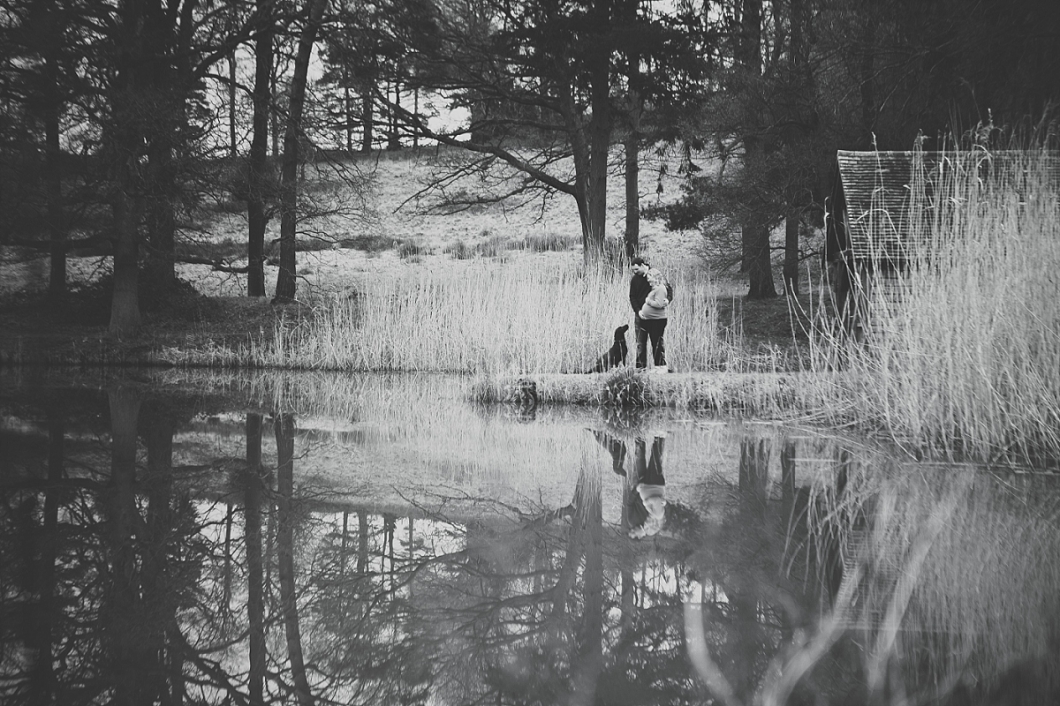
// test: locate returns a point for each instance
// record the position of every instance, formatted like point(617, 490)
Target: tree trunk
point(627, 579)
point(750, 60)
point(347, 112)
point(362, 542)
point(285, 279)
point(233, 150)
point(599, 150)
point(393, 140)
point(168, 39)
point(567, 574)
point(632, 147)
point(753, 477)
point(274, 114)
point(285, 554)
point(747, 248)
point(126, 138)
point(160, 261)
point(416, 111)
point(791, 254)
point(632, 235)
point(367, 118)
point(760, 274)
point(258, 164)
point(751, 36)
point(226, 565)
point(125, 299)
point(800, 27)
point(53, 178)
point(798, 60)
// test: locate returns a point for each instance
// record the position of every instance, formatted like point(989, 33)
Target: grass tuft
point(459, 250)
point(409, 250)
point(549, 242)
point(624, 388)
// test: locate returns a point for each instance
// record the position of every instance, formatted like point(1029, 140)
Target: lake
point(241, 538)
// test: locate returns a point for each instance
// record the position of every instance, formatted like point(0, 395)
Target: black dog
point(616, 355)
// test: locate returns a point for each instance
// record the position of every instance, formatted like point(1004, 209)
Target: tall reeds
point(485, 318)
point(967, 362)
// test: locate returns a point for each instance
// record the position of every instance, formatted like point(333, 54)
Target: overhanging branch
point(500, 153)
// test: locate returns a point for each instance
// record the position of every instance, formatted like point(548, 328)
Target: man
point(638, 292)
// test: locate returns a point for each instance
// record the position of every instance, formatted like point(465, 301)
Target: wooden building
point(879, 212)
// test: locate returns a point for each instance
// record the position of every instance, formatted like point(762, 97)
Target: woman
point(653, 317)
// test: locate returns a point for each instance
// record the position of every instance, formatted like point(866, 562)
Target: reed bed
point(486, 318)
point(968, 363)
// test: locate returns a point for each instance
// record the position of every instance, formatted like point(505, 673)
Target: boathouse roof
point(878, 200)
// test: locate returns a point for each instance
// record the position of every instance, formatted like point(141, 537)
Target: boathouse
point(879, 212)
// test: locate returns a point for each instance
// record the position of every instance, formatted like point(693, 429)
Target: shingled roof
point(880, 216)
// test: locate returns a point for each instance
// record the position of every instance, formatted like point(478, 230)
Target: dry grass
point(969, 363)
point(484, 318)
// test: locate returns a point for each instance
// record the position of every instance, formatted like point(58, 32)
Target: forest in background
point(120, 122)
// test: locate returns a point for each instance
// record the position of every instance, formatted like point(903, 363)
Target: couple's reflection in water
point(644, 492)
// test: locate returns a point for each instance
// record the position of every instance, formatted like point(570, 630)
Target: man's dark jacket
point(638, 292)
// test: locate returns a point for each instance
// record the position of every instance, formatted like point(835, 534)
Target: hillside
point(375, 219)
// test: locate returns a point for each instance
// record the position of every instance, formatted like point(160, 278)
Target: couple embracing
point(649, 295)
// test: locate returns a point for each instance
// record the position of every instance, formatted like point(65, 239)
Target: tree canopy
point(109, 134)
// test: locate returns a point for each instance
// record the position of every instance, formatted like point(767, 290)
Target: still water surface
point(247, 539)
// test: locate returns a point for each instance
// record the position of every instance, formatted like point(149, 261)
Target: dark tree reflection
point(253, 486)
point(148, 556)
point(39, 556)
point(131, 662)
point(284, 425)
point(114, 565)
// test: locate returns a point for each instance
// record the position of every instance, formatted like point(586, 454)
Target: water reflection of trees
point(130, 576)
point(106, 559)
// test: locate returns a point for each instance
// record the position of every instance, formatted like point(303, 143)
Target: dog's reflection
point(645, 496)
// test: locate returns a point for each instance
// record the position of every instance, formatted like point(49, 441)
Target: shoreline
point(760, 394)
point(765, 395)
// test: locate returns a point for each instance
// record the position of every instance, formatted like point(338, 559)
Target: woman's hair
point(655, 278)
